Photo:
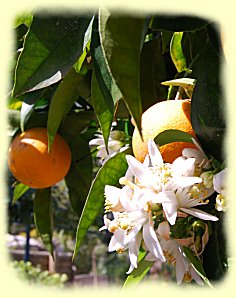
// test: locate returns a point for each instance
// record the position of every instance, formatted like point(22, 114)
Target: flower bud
point(207, 178)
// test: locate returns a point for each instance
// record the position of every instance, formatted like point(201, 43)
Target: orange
point(169, 114)
point(32, 164)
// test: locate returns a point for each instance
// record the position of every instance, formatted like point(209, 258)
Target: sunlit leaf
point(176, 52)
point(137, 275)
point(24, 18)
point(19, 190)
point(14, 103)
point(43, 217)
point(109, 174)
point(52, 45)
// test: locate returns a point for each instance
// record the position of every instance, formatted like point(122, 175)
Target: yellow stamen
point(125, 181)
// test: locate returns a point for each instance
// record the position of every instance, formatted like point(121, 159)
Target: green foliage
point(32, 274)
point(52, 53)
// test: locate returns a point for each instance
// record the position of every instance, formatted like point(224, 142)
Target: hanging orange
point(32, 164)
point(169, 114)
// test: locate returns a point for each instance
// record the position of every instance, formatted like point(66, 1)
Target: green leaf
point(105, 93)
point(24, 18)
point(62, 101)
point(178, 23)
point(122, 39)
point(14, 103)
point(19, 190)
point(108, 174)
point(87, 40)
point(104, 112)
point(43, 217)
point(172, 135)
point(51, 47)
point(79, 177)
point(197, 265)
point(186, 83)
point(136, 276)
point(176, 52)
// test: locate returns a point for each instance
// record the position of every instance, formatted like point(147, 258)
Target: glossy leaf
point(105, 93)
point(137, 275)
point(52, 45)
point(104, 112)
point(122, 39)
point(62, 101)
point(172, 135)
point(19, 190)
point(108, 174)
point(79, 177)
point(43, 217)
point(176, 52)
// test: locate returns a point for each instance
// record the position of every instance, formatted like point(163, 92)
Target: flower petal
point(139, 170)
point(199, 213)
point(164, 230)
point(169, 204)
point(219, 181)
point(151, 241)
point(96, 142)
point(187, 181)
point(117, 241)
point(183, 166)
point(154, 153)
point(134, 246)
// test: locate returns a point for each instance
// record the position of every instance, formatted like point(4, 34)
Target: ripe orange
point(169, 114)
point(32, 164)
